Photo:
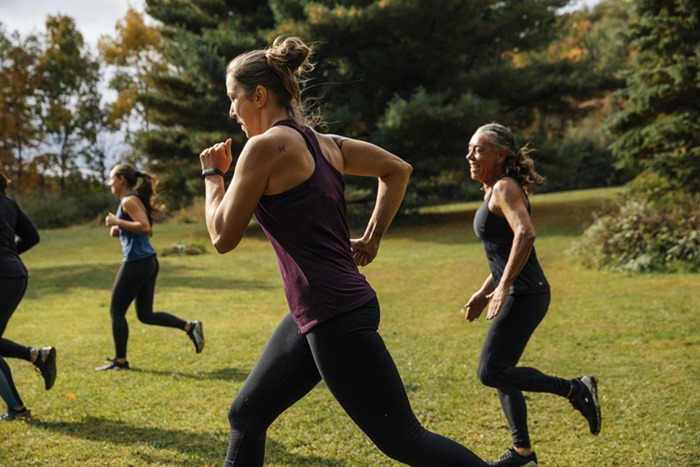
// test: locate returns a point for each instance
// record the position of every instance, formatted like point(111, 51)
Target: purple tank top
point(308, 230)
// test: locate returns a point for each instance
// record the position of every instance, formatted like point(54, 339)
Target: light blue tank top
point(134, 246)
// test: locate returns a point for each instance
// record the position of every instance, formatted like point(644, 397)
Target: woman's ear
point(502, 154)
point(260, 95)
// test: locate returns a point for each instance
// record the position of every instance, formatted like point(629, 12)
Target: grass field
point(640, 335)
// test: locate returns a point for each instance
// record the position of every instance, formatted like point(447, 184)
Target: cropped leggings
point(136, 281)
point(503, 346)
point(349, 355)
point(11, 292)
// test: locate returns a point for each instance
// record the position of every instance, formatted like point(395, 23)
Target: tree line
point(607, 94)
point(415, 76)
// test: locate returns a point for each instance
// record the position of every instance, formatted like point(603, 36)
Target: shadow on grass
point(58, 279)
point(223, 374)
point(201, 448)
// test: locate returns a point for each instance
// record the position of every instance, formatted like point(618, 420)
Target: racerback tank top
point(308, 230)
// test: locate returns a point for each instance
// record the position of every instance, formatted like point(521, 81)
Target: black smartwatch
point(212, 171)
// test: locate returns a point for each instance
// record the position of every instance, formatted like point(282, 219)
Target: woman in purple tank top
point(291, 179)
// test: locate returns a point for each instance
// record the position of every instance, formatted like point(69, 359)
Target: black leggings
point(11, 292)
point(136, 280)
point(503, 346)
point(349, 355)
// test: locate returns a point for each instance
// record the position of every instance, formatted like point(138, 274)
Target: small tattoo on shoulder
point(281, 149)
point(339, 141)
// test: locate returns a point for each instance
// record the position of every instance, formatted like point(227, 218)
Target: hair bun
point(291, 52)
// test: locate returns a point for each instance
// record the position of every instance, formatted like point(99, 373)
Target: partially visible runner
point(516, 288)
point(136, 279)
point(291, 178)
point(17, 235)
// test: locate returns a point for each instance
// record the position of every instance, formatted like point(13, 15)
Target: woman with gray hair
point(516, 292)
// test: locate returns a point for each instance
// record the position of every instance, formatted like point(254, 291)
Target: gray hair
point(519, 165)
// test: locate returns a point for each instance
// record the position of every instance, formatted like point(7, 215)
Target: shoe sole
point(24, 416)
point(112, 367)
point(592, 385)
point(50, 362)
point(198, 348)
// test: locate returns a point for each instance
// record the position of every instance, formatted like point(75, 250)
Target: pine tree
point(186, 102)
point(414, 75)
point(658, 128)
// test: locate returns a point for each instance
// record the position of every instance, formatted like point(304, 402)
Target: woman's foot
point(196, 333)
point(512, 459)
point(45, 364)
point(114, 364)
point(13, 414)
point(585, 399)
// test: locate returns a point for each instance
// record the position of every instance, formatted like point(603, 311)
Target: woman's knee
point(488, 375)
point(238, 414)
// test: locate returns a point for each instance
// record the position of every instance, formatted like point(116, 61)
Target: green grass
point(640, 335)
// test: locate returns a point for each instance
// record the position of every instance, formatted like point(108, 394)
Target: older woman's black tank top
point(497, 238)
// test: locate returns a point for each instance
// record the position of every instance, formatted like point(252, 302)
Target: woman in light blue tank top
point(136, 279)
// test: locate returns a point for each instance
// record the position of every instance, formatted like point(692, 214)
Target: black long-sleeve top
point(17, 235)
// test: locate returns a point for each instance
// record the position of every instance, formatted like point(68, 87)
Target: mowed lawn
point(640, 336)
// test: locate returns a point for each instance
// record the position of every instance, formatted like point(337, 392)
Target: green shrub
point(53, 210)
point(643, 236)
point(183, 248)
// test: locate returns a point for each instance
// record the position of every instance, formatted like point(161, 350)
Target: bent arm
point(27, 234)
point(139, 224)
point(366, 159)
point(229, 211)
point(511, 201)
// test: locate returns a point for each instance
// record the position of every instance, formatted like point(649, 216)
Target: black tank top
point(497, 238)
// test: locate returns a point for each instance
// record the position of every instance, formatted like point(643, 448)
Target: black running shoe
point(46, 365)
point(113, 365)
point(512, 459)
point(586, 401)
point(196, 333)
point(14, 415)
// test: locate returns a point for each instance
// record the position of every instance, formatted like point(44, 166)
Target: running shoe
point(14, 415)
point(46, 365)
point(196, 333)
point(586, 402)
point(512, 459)
point(113, 365)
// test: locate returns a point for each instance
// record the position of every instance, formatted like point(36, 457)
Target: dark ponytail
point(145, 189)
point(3, 184)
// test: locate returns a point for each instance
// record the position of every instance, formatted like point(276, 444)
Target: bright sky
point(92, 17)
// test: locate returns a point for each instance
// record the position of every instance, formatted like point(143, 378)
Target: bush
point(55, 210)
point(644, 236)
point(182, 248)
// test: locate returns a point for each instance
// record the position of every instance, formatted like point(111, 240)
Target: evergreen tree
point(658, 128)
point(657, 227)
point(419, 76)
point(412, 75)
point(187, 104)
